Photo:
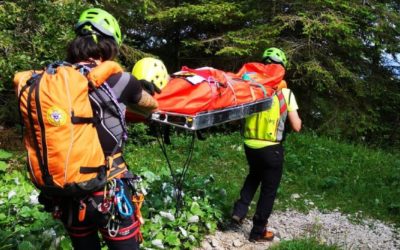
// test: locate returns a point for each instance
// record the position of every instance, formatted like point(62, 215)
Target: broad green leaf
point(4, 155)
point(195, 209)
point(3, 166)
point(172, 239)
point(26, 245)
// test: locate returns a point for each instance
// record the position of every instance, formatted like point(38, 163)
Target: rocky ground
point(330, 228)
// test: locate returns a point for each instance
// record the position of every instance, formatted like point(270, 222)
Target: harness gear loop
point(82, 211)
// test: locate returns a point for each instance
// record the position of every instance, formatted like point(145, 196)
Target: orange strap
point(82, 211)
point(103, 71)
point(138, 201)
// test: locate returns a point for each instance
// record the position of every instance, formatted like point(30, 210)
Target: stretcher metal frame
point(208, 119)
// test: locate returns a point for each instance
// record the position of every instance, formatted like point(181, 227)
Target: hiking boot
point(237, 219)
point(266, 235)
point(236, 223)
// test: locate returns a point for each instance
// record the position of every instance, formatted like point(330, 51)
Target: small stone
point(276, 239)
point(214, 243)
point(206, 246)
point(237, 243)
point(294, 196)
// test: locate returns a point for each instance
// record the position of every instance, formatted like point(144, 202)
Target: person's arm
point(293, 116)
point(145, 106)
point(294, 120)
point(130, 91)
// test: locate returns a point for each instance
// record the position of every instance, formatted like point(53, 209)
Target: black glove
point(149, 87)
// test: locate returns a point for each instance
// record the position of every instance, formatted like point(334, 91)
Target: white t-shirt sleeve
point(291, 103)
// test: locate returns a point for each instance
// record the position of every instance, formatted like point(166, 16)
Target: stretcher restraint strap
point(260, 86)
point(178, 180)
point(229, 83)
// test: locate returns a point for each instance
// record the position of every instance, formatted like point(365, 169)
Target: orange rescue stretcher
point(199, 98)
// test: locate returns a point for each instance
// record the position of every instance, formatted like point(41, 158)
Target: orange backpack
point(64, 152)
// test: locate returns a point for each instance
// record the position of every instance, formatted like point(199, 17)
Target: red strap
point(283, 107)
point(123, 233)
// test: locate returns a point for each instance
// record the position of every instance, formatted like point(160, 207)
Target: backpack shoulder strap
point(282, 102)
point(98, 75)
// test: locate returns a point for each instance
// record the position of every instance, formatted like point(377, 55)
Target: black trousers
point(265, 169)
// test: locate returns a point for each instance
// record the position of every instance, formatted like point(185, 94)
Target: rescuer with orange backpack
point(263, 136)
point(74, 114)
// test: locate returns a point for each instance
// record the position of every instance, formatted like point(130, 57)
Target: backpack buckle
point(110, 162)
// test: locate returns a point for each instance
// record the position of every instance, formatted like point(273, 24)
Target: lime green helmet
point(274, 55)
point(102, 21)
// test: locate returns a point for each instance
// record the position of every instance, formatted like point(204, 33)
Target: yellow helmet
point(152, 70)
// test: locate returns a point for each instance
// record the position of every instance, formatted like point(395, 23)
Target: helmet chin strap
point(269, 60)
point(88, 30)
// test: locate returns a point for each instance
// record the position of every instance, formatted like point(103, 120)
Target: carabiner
point(123, 203)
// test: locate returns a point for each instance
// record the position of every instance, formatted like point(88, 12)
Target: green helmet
point(102, 21)
point(274, 55)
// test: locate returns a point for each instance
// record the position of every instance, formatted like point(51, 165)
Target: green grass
point(352, 178)
point(302, 244)
point(328, 173)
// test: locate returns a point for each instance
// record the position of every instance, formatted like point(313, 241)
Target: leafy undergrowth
point(23, 225)
point(181, 225)
point(26, 226)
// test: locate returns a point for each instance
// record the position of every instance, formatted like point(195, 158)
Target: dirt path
point(330, 228)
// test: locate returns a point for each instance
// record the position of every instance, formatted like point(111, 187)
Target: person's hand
point(150, 87)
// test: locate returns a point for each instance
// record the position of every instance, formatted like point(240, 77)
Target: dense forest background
point(342, 54)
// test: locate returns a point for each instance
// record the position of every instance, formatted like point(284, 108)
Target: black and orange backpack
point(65, 156)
